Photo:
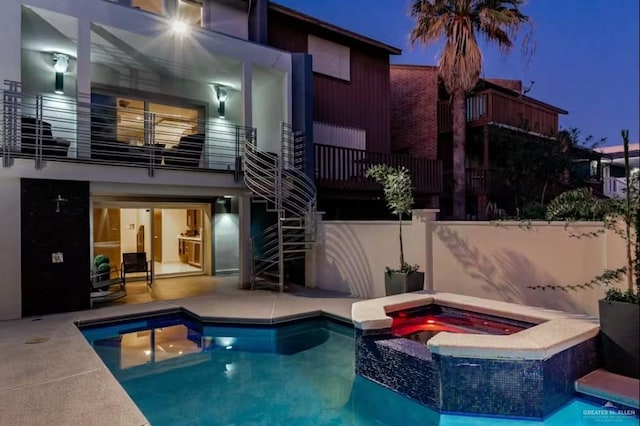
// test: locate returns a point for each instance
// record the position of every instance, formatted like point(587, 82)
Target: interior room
point(177, 239)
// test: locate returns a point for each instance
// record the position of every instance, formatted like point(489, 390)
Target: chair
point(105, 288)
point(50, 146)
point(186, 153)
point(136, 262)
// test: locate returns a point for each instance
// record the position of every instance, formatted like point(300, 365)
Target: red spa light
point(405, 324)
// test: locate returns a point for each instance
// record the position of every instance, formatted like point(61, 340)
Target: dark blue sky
point(586, 58)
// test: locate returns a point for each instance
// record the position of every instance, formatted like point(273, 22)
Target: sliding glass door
point(173, 238)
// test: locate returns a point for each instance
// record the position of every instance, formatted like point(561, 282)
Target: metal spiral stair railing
point(279, 182)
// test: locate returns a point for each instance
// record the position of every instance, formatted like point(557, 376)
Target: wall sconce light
point(60, 66)
point(221, 94)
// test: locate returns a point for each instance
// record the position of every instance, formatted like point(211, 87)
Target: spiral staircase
point(280, 183)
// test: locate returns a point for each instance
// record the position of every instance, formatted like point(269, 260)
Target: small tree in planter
point(619, 310)
point(396, 184)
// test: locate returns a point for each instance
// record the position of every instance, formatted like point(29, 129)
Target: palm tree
point(458, 23)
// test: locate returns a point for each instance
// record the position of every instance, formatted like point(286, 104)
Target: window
point(330, 58)
point(153, 6)
point(190, 12)
point(169, 124)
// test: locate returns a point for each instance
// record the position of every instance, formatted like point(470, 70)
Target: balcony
point(477, 180)
point(491, 106)
point(344, 169)
point(616, 187)
point(60, 129)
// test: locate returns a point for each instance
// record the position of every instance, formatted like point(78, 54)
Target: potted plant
point(619, 310)
point(396, 184)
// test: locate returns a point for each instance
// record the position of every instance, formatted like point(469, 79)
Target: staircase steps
point(278, 181)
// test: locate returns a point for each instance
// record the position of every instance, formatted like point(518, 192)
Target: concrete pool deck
point(50, 375)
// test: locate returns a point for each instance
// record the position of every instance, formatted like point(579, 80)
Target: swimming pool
point(179, 371)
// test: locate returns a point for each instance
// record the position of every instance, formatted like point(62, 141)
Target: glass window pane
point(190, 12)
point(153, 6)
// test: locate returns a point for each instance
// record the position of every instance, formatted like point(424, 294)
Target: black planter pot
point(398, 282)
point(619, 330)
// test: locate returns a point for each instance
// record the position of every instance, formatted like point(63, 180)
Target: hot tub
point(461, 354)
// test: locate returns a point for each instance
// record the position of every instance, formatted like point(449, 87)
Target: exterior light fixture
point(179, 27)
point(60, 66)
point(221, 94)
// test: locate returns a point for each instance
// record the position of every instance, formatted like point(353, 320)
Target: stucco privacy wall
point(351, 255)
point(472, 258)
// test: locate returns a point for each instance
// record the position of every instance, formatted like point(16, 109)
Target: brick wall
point(414, 110)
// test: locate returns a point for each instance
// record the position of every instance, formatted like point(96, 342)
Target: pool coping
point(76, 372)
point(554, 332)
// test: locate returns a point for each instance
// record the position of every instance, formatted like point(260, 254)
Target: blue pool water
point(180, 372)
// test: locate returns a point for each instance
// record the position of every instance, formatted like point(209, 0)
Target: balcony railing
point(616, 187)
point(477, 180)
point(344, 169)
point(490, 106)
point(51, 128)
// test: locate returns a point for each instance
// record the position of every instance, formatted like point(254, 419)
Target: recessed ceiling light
point(179, 27)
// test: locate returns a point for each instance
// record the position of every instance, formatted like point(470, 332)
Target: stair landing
point(611, 387)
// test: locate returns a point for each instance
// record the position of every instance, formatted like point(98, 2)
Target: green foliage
point(529, 167)
point(405, 269)
point(616, 295)
point(532, 210)
point(581, 204)
point(103, 268)
point(100, 259)
point(396, 184)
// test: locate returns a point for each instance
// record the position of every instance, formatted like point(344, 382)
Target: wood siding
point(490, 106)
point(362, 102)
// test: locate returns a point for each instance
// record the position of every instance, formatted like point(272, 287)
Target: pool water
point(180, 372)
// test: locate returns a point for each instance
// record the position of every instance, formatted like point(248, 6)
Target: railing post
point(236, 172)
point(150, 133)
point(38, 149)
point(9, 122)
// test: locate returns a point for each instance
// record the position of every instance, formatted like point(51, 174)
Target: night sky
point(586, 54)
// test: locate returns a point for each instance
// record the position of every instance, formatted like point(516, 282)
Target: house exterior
point(351, 114)
point(125, 125)
point(613, 168)
point(422, 125)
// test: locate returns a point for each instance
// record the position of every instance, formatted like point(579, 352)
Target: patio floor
point(50, 375)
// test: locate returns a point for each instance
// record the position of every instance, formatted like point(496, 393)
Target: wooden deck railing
point(477, 180)
point(344, 169)
point(490, 106)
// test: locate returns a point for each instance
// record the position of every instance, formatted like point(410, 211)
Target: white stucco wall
point(269, 108)
point(472, 258)
point(174, 221)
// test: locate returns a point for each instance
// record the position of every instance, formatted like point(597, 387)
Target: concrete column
point(247, 78)
point(422, 221)
point(10, 254)
point(310, 260)
point(83, 90)
point(244, 231)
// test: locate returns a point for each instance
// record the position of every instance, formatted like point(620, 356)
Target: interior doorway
point(174, 237)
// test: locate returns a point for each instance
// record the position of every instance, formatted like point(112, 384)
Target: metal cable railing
point(281, 183)
point(56, 128)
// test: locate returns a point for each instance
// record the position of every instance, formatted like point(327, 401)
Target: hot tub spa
point(461, 354)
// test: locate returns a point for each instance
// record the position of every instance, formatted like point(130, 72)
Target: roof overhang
point(310, 20)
